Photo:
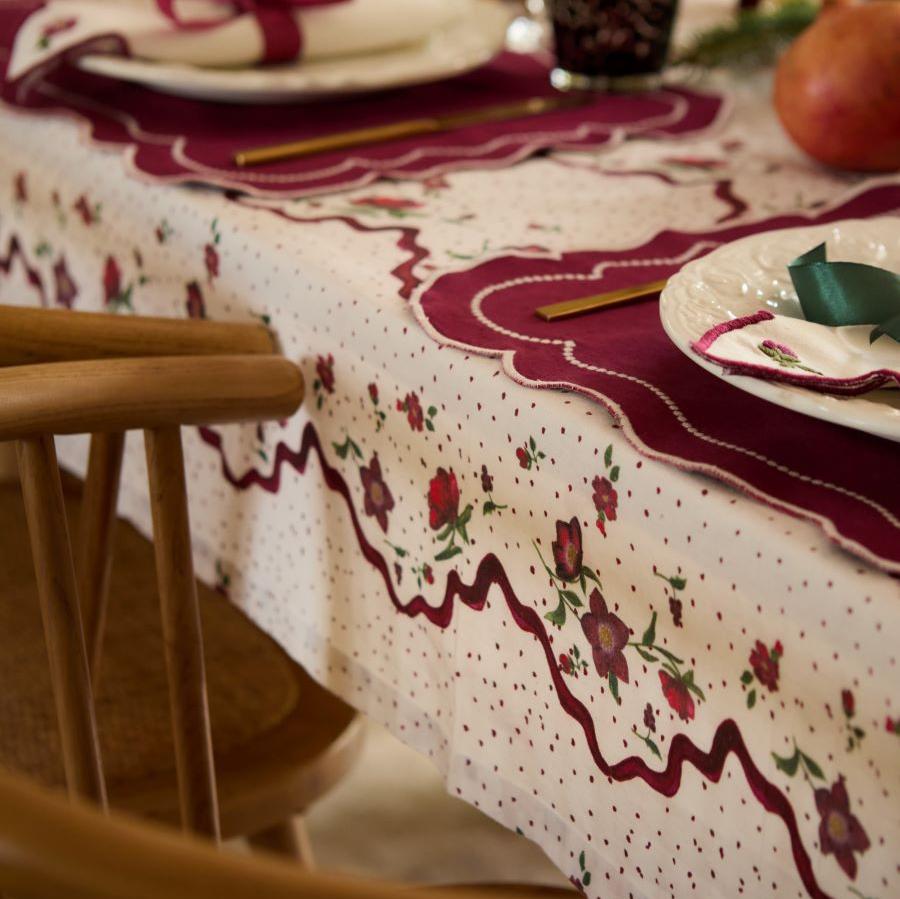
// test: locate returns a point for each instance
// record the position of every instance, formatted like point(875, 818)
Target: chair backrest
point(29, 335)
point(51, 848)
point(112, 395)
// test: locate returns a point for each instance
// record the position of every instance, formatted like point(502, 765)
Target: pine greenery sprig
point(755, 38)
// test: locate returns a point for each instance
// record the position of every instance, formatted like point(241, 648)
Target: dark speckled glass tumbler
point(611, 44)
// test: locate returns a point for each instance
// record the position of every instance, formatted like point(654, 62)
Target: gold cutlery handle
point(568, 308)
point(375, 135)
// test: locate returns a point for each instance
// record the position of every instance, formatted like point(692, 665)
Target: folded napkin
point(214, 33)
point(834, 349)
point(838, 360)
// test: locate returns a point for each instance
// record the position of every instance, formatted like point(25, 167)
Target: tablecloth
point(711, 706)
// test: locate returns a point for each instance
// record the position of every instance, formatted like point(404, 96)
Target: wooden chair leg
point(181, 633)
point(94, 554)
point(61, 614)
point(288, 838)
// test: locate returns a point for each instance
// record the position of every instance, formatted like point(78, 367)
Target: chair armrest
point(125, 394)
point(30, 335)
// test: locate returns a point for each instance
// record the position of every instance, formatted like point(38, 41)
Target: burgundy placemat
point(175, 139)
point(671, 409)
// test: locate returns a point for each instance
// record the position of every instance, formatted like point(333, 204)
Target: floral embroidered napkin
point(795, 351)
point(209, 33)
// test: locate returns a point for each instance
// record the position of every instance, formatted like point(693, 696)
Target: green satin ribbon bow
point(847, 293)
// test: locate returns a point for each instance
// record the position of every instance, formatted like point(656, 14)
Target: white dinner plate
point(461, 46)
point(751, 274)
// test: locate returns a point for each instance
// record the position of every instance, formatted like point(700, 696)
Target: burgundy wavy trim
point(407, 242)
point(490, 572)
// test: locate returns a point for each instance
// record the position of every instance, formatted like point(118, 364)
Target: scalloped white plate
point(463, 45)
point(751, 274)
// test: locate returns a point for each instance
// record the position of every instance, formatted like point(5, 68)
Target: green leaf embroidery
point(646, 655)
point(751, 699)
point(607, 456)
point(558, 615)
point(447, 553)
point(650, 634)
point(614, 473)
point(788, 765)
point(678, 583)
point(571, 597)
point(614, 686)
point(747, 677)
point(812, 767)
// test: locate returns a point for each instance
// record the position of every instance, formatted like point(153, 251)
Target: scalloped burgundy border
point(490, 572)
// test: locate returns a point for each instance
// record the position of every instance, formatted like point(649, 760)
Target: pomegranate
point(837, 87)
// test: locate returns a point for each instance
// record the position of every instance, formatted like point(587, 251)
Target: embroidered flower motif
point(444, 514)
point(211, 254)
point(89, 214)
point(529, 455)
point(325, 371)
point(163, 231)
point(211, 260)
point(435, 183)
point(568, 552)
point(413, 408)
point(855, 734)
point(572, 663)
point(840, 832)
point(395, 206)
point(112, 279)
point(608, 636)
point(677, 695)
point(765, 664)
point(649, 718)
point(487, 485)
point(784, 356)
point(780, 348)
point(443, 499)
point(378, 499)
point(196, 307)
point(606, 500)
point(51, 29)
point(66, 289)
point(113, 292)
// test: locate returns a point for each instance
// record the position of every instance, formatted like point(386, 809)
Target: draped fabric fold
point(847, 293)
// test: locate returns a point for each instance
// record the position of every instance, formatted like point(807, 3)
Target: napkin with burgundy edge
point(215, 33)
point(848, 343)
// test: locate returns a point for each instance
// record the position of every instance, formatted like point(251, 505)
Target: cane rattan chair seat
point(280, 740)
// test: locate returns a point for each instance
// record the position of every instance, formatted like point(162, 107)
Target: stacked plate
point(466, 41)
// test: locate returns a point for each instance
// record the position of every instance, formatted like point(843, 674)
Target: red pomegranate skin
point(837, 87)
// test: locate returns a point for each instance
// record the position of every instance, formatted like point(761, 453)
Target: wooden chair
point(291, 758)
point(51, 849)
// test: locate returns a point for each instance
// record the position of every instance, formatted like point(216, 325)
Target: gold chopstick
point(568, 308)
point(410, 128)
